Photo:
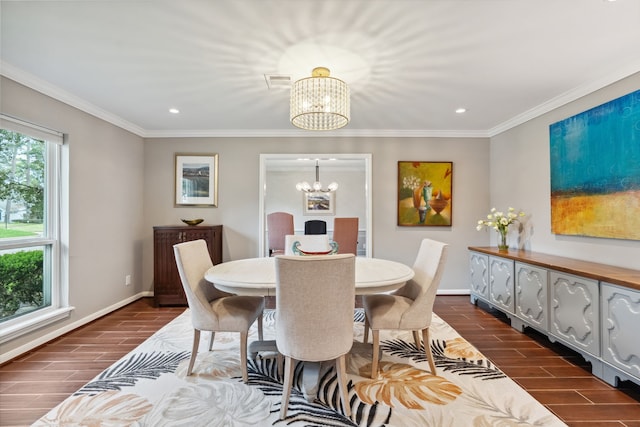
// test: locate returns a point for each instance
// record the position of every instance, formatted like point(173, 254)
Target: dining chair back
point(308, 243)
point(345, 233)
point(279, 224)
point(315, 298)
point(315, 226)
point(212, 309)
point(410, 307)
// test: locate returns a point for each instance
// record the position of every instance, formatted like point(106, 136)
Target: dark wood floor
point(34, 383)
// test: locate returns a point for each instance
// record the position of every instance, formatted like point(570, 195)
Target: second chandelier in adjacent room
point(317, 185)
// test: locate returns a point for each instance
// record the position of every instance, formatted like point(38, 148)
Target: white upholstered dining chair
point(212, 309)
point(315, 297)
point(409, 308)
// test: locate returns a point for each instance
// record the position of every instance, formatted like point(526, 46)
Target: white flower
point(411, 182)
point(499, 221)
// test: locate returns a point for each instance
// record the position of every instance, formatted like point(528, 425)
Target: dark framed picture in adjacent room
point(319, 203)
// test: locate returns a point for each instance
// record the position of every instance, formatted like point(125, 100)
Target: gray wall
point(239, 192)
point(520, 178)
point(105, 204)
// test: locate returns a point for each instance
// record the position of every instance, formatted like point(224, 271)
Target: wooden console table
point(167, 287)
point(590, 307)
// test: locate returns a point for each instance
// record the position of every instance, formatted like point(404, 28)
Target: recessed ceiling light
point(174, 110)
point(461, 110)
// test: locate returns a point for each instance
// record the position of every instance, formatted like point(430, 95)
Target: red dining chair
point(279, 224)
point(345, 234)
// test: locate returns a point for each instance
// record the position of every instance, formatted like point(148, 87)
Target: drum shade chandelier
point(317, 186)
point(320, 102)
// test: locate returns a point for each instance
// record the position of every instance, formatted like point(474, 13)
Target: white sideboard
point(589, 307)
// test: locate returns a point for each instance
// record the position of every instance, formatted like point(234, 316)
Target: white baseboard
point(453, 292)
point(12, 354)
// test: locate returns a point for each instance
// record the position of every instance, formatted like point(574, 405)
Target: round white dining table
point(257, 276)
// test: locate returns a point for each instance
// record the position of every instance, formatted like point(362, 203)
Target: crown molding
point(35, 83)
point(42, 86)
point(295, 133)
point(565, 98)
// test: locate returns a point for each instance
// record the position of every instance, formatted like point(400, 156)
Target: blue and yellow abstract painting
point(595, 171)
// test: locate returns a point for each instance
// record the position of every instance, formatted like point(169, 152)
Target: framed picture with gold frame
point(196, 180)
point(425, 193)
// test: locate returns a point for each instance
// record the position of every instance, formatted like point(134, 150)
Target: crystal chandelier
point(317, 186)
point(320, 102)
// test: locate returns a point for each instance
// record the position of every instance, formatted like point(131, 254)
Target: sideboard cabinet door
point(531, 295)
point(167, 288)
point(575, 311)
point(501, 284)
point(620, 323)
point(479, 275)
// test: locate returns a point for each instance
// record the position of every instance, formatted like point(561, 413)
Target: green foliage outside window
point(20, 282)
point(22, 176)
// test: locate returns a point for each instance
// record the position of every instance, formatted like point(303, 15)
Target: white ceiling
point(409, 63)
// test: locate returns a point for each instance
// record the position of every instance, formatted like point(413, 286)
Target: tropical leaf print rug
point(149, 386)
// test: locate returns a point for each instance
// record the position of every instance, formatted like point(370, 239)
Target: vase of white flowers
point(500, 222)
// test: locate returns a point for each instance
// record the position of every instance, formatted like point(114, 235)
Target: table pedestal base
point(311, 371)
point(256, 347)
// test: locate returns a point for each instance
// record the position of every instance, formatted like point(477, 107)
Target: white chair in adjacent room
point(409, 308)
point(211, 309)
point(311, 243)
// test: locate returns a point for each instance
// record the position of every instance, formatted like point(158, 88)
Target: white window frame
point(54, 238)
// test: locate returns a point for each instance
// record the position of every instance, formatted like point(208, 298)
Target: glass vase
point(502, 244)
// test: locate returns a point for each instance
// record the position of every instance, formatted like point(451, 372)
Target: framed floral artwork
point(196, 180)
point(319, 203)
point(425, 193)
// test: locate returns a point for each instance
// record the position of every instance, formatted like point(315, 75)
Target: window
point(31, 265)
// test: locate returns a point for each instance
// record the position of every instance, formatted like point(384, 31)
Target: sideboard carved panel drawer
point(575, 311)
point(621, 328)
point(479, 275)
point(501, 284)
point(531, 295)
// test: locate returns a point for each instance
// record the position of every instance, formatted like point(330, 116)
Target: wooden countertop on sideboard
point(602, 272)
